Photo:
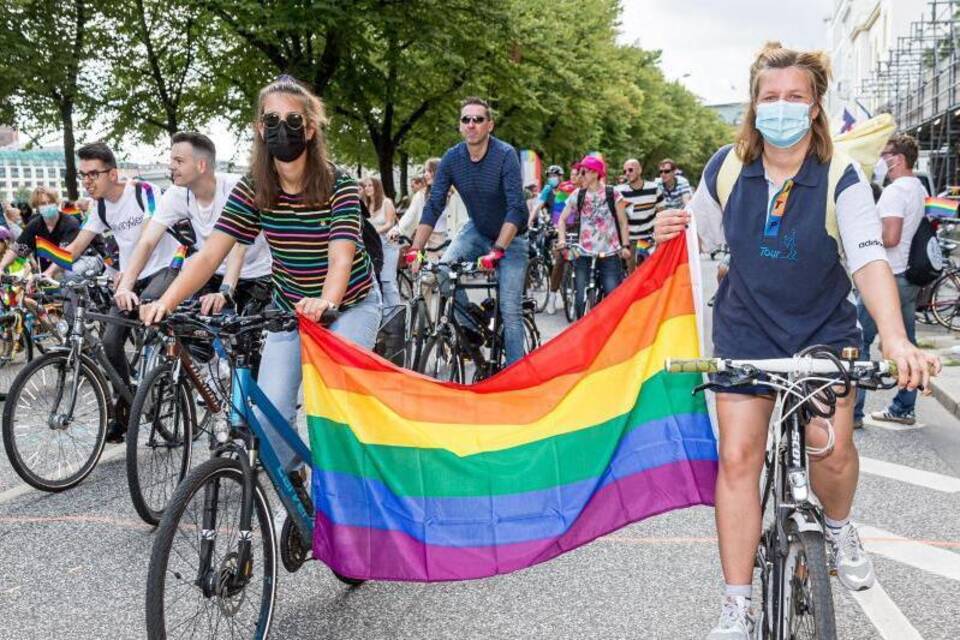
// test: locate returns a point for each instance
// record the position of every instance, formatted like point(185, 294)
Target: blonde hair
point(749, 143)
point(318, 175)
point(48, 193)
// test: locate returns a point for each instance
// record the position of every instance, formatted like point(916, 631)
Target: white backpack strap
point(727, 176)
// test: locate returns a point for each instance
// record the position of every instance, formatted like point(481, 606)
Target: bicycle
point(540, 263)
point(59, 403)
point(791, 557)
point(593, 293)
point(462, 333)
point(215, 552)
point(30, 320)
point(418, 320)
point(568, 281)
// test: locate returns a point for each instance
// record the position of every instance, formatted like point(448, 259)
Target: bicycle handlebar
point(800, 365)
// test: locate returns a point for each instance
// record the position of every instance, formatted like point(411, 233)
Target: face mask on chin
point(285, 144)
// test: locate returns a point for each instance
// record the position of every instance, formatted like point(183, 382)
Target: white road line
point(916, 554)
point(113, 453)
point(927, 479)
point(885, 615)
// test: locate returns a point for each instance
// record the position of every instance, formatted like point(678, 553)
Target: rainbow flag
point(941, 207)
point(415, 479)
point(530, 168)
point(177, 263)
point(46, 250)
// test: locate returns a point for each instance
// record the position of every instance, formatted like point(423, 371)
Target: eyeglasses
point(665, 171)
point(472, 119)
point(91, 175)
point(273, 119)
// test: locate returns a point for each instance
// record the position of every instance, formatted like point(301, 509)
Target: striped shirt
point(673, 198)
point(299, 236)
point(642, 206)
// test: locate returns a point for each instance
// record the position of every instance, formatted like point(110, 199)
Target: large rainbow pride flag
point(414, 479)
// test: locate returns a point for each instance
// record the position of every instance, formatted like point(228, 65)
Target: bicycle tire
point(218, 471)
point(145, 434)
point(816, 607)
point(944, 304)
point(418, 328)
point(447, 364)
point(8, 368)
point(568, 292)
point(537, 283)
point(591, 297)
point(12, 423)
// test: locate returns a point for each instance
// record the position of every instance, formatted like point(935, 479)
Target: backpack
point(730, 171)
point(925, 263)
point(182, 231)
point(371, 239)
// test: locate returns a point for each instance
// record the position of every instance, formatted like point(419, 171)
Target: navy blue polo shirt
point(788, 286)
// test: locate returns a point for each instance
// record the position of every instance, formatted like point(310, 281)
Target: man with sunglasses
point(675, 188)
point(486, 174)
point(644, 200)
point(121, 207)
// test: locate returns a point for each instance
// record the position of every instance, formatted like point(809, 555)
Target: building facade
point(22, 171)
point(861, 34)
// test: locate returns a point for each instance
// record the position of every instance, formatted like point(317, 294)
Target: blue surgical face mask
point(48, 211)
point(553, 181)
point(783, 124)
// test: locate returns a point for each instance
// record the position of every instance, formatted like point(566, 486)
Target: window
point(14, 172)
point(3, 172)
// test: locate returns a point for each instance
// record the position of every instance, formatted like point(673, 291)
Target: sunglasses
point(665, 171)
point(273, 119)
point(91, 175)
point(472, 119)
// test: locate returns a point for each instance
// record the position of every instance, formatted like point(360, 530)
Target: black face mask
point(285, 144)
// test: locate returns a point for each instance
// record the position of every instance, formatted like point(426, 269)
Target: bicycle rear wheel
point(537, 283)
point(50, 450)
point(568, 292)
point(159, 441)
point(807, 598)
point(187, 597)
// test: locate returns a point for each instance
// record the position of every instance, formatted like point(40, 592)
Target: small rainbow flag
point(177, 263)
point(420, 480)
point(941, 207)
point(71, 209)
point(47, 250)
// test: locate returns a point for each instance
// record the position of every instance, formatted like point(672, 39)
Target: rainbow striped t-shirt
point(299, 235)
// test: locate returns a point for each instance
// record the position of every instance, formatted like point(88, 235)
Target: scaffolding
point(919, 84)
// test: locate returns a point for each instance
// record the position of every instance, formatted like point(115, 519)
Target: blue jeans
point(388, 275)
point(281, 358)
point(609, 274)
point(905, 401)
point(470, 244)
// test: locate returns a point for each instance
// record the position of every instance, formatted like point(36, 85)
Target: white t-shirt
point(179, 203)
point(125, 220)
point(903, 198)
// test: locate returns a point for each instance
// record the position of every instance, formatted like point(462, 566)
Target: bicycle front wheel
point(807, 610)
point(568, 292)
point(442, 360)
point(945, 301)
point(537, 285)
point(159, 441)
point(195, 588)
point(50, 445)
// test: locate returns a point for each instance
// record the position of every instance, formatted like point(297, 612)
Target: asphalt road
point(73, 565)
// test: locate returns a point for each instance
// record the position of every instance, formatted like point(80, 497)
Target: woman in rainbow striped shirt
point(310, 215)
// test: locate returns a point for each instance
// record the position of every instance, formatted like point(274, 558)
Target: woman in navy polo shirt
point(788, 288)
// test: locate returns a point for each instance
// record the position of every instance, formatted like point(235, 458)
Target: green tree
point(46, 45)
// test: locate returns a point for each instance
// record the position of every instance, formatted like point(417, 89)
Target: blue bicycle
point(213, 569)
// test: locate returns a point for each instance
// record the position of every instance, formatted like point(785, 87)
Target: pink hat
point(592, 163)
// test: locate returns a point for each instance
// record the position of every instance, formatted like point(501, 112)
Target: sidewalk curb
point(947, 401)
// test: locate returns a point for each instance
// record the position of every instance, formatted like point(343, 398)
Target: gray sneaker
point(888, 416)
point(848, 561)
point(736, 621)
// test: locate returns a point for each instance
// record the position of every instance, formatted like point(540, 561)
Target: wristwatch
point(333, 305)
point(227, 292)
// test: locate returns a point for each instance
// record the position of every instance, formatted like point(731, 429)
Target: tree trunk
point(404, 170)
point(66, 121)
point(385, 153)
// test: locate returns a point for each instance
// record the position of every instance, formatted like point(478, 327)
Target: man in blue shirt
point(486, 174)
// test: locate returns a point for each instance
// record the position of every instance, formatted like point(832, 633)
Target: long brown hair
point(431, 165)
point(749, 143)
point(318, 176)
point(373, 204)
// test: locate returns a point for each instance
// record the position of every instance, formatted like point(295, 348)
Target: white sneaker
point(736, 621)
point(552, 303)
point(848, 560)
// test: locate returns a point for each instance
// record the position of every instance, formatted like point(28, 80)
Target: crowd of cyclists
point(301, 235)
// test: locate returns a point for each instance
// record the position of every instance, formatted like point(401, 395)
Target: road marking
point(892, 426)
point(918, 477)
point(22, 489)
point(911, 552)
point(885, 615)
